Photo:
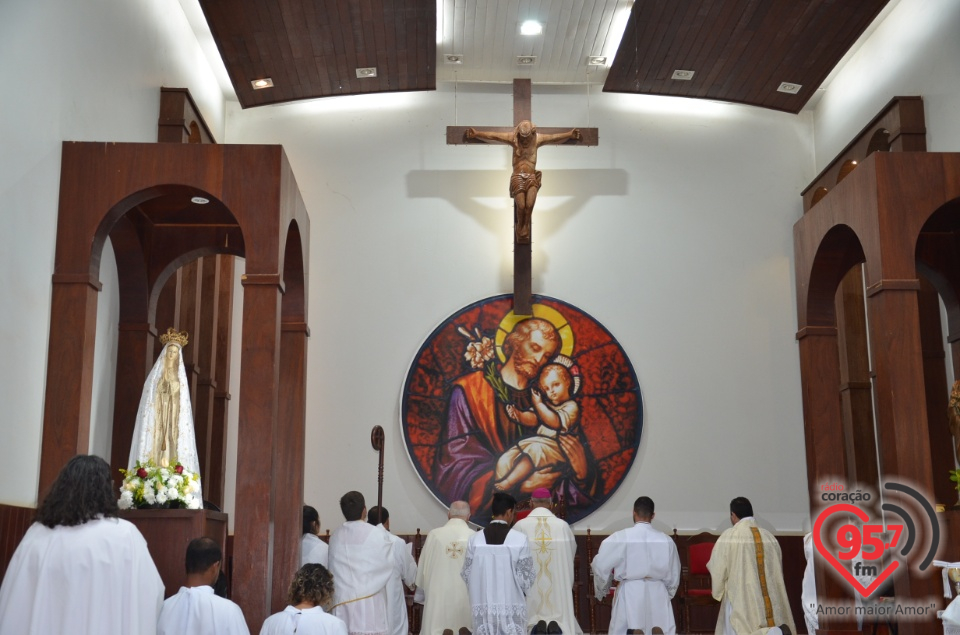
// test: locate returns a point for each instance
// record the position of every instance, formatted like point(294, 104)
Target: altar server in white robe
point(312, 547)
point(647, 565)
point(498, 570)
point(440, 588)
point(195, 609)
point(361, 561)
point(404, 573)
point(80, 569)
point(553, 547)
point(749, 602)
point(311, 591)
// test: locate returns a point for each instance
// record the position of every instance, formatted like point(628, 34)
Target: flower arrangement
point(149, 485)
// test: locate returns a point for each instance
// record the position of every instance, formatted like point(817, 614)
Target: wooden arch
point(140, 195)
point(897, 214)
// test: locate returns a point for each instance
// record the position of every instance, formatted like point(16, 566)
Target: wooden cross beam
point(525, 180)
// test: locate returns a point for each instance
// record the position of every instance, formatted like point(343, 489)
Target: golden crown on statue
point(177, 337)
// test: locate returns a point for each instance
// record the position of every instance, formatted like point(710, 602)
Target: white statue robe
point(553, 547)
point(97, 577)
point(199, 611)
point(440, 588)
point(303, 622)
point(143, 437)
point(404, 572)
point(646, 563)
point(361, 561)
point(808, 592)
point(313, 550)
point(736, 581)
point(498, 577)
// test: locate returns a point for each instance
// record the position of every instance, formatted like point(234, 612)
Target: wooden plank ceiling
point(313, 48)
point(738, 50)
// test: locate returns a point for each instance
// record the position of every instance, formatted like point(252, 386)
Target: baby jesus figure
point(558, 414)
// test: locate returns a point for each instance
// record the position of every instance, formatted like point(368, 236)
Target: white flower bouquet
point(148, 485)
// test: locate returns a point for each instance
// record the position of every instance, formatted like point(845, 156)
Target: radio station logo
point(866, 548)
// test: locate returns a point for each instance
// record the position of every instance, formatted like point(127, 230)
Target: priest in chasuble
point(164, 433)
point(553, 546)
point(747, 575)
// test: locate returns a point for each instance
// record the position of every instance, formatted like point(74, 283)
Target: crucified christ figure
point(525, 180)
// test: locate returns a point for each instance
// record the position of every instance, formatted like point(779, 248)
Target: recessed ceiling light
point(526, 60)
point(531, 27)
point(682, 75)
point(787, 87)
point(370, 71)
point(264, 82)
point(597, 60)
point(453, 59)
point(199, 200)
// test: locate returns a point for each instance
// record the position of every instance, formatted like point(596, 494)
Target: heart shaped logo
point(865, 592)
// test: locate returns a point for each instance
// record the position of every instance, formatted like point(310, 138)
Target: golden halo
point(510, 321)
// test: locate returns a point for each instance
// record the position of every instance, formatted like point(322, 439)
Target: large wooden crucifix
point(525, 138)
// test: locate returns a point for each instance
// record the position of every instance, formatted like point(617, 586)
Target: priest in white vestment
point(195, 609)
point(553, 547)
point(361, 561)
point(749, 602)
point(312, 547)
point(646, 563)
point(440, 588)
point(498, 570)
point(404, 573)
point(310, 591)
point(80, 569)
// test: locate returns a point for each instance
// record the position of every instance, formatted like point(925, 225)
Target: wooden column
point(206, 343)
point(825, 444)
point(289, 459)
point(189, 320)
point(856, 387)
point(168, 310)
point(214, 484)
point(257, 434)
point(901, 410)
point(66, 411)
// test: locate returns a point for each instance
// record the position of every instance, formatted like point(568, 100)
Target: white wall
point(675, 233)
point(914, 51)
point(80, 71)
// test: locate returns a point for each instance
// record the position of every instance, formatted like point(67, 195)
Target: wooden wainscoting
point(14, 522)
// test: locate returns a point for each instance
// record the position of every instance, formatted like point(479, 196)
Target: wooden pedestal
point(169, 531)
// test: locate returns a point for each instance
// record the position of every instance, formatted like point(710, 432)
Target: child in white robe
point(310, 591)
point(558, 414)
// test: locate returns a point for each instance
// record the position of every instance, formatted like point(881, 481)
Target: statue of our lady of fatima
point(163, 438)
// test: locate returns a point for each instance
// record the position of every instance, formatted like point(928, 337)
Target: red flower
point(178, 469)
point(142, 473)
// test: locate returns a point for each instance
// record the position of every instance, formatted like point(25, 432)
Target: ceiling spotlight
point(597, 60)
point(531, 27)
point(453, 59)
point(264, 82)
point(526, 60)
point(199, 200)
point(370, 71)
point(682, 75)
point(787, 87)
